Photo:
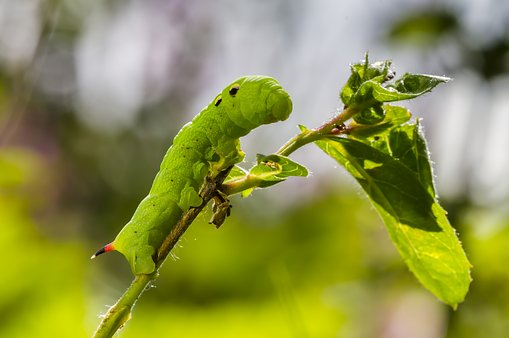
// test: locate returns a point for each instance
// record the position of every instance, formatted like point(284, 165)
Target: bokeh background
point(92, 93)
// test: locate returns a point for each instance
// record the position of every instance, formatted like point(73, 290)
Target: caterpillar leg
point(221, 209)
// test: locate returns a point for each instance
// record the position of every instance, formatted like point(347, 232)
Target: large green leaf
point(404, 143)
point(408, 145)
point(417, 224)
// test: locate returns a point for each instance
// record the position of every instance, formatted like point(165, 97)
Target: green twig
point(331, 127)
point(312, 135)
point(120, 312)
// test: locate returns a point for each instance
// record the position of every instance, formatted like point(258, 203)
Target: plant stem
point(120, 312)
point(307, 136)
point(332, 127)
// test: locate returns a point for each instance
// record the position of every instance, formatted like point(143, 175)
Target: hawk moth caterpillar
point(205, 146)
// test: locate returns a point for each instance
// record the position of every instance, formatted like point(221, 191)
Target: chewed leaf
point(413, 217)
point(268, 171)
point(284, 165)
point(272, 169)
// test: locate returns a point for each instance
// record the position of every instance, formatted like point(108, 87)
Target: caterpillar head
point(252, 101)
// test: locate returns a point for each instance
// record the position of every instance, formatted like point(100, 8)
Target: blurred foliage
point(424, 28)
point(428, 28)
point(324, 268)
point(43, 275)
point(318, 270)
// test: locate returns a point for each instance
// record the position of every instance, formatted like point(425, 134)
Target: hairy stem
point(120, 312)
point(332, 127)
point(312, 135)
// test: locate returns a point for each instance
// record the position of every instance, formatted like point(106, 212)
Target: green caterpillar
point(205, 146)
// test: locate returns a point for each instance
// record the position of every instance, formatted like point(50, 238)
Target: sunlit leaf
point(407, 87)
point(361, 73)
point(370, 86)
point(268, 171)
point(236, 173)
point(414, 85)
point(408, 145)
point(417, 224)
point(274, 168)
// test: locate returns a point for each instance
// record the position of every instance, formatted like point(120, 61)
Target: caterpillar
point(205, 146)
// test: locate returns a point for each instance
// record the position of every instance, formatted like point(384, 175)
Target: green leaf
point(406, 144)
point(369, 87)
point(274, 168)
point(236, 173)
point(361, 73)
point(371, 115)
point(393, 116)
point(268, 171)
point(414, 85)
point(407, 87)
point(417, 224)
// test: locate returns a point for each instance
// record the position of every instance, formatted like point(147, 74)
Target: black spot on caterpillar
point(233, 90)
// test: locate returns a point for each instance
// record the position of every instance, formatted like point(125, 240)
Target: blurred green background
point(92, 93)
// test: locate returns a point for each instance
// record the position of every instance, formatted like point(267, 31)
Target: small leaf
point(407, 87)
point(247, 192)
point(369, 87)
point(303, 128)
point(274, 168)
point(393, 116)
point(371, 115)
point(418, 84)
point(268, 171)
point(414, 219)
point(361, 73)
point(236, 173)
